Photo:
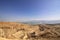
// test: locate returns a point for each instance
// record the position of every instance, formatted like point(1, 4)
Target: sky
point(26, 10)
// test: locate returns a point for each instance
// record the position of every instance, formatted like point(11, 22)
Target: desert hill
point(20, 31)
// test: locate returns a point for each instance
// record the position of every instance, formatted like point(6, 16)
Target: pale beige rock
point(2, 34)
point(19, 34)
point(19, 31)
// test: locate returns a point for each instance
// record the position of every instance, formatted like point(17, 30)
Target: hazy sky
point(25, 10)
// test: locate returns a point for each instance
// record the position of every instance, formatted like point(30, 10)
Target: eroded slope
point(19, 31)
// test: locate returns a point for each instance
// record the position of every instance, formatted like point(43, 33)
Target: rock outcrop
point(19, 31)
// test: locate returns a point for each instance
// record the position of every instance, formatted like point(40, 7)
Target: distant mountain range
point(42, 22)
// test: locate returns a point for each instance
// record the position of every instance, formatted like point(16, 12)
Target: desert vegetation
point(20, 31)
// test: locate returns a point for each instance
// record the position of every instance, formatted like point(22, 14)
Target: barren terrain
point(20, 31)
